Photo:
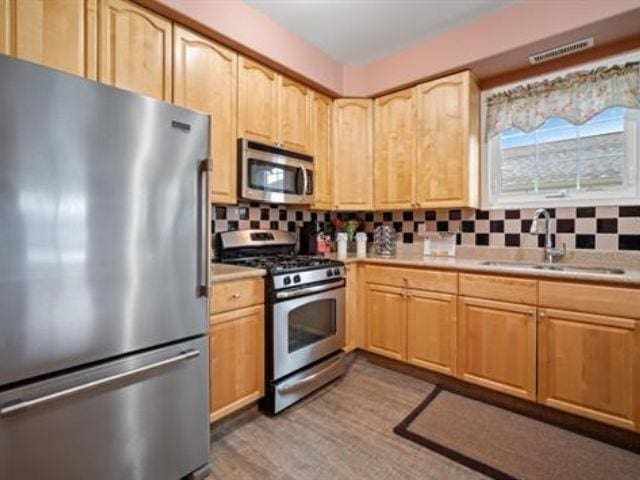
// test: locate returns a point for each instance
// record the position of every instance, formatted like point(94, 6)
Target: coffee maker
point(308, 238)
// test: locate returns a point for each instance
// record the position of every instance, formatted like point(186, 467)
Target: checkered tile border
point(601, 228)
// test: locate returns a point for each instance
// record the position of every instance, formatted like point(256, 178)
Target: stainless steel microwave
point(274, 175)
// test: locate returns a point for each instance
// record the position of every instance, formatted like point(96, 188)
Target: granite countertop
point(412, 257)
point(221, 272)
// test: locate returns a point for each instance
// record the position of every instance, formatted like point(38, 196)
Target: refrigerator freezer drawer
point(144, 416)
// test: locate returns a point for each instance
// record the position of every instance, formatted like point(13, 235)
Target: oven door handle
point(306, 291)
point(290, 387)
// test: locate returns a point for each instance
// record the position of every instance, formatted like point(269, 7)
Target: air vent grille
point(561, 51)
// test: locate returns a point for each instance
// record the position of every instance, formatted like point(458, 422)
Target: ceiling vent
point(561, 51)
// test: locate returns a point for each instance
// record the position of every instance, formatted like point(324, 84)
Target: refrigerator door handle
point(206, 167)
point(27, 404)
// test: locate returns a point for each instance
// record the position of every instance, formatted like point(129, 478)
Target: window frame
point(490, 157)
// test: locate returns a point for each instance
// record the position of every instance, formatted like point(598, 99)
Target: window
point(591, 162)
point(559, 160)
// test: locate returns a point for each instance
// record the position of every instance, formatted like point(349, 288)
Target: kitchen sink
point(556, 268)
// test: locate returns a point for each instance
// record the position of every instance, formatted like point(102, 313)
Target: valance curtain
point(575, 97)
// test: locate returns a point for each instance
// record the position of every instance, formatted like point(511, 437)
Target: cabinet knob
point(235, 296)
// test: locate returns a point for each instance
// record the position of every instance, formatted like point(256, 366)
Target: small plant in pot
point(350, 226)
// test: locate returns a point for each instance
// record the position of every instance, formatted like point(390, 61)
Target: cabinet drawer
point(237, 294)
point(615, 301)
point(508, 289)
point(433, 280)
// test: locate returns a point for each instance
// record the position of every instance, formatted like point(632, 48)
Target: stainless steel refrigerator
point(103, 281)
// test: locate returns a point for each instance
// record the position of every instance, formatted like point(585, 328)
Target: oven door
point(307, 328)
point(275, 178)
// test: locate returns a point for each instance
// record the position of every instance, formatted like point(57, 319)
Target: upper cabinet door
point(5, 26)
point(395, 150)
point(54, 33)
point(257, 102)
point(135, 49)
point(353, 154)
point(321, 150)
point(205, 80)
point(295, 116)
point(448, 152)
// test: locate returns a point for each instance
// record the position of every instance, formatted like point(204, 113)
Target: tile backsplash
point(601, 228)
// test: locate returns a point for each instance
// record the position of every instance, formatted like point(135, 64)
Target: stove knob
point(287, 280)
point(296, 278)
point(336, 271)
point(329, 273)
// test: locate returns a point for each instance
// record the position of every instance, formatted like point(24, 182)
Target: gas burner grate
point(285, 263)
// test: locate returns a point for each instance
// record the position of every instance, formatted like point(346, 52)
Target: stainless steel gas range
point(305, 325)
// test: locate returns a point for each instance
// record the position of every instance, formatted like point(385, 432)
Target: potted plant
point(350, 227)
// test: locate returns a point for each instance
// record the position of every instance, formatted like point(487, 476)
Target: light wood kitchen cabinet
point(386, 321)
point(497, 345)
point(352, 322)
point(448, 119)
point(427, 145)
point(589, 365)
point(236, 338)
point(135, 49)
point(411, 316)
point(493, 287)
point(431, 330)
point(205, 79)
point(257, 102)
point(272, 108)
point(353, 154)
point(413, 278)
point(6, 7)
point(395, 150)
point(294, 115)
point(237, 360)
point(321, 149)
point(607, 300)
point(227, 296)
point(55, 33)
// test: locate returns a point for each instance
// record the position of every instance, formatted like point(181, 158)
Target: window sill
point(561, 202)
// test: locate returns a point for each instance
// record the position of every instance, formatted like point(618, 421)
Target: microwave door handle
point(305, 181)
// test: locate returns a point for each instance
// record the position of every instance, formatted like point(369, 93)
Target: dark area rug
point(506, 445)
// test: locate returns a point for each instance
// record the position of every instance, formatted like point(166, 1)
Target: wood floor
point(342, 432)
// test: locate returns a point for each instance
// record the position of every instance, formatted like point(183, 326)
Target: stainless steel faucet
point(550, 252)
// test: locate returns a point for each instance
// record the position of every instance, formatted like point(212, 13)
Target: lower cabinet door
point(431, 331)
point(589, 365)
point(237, 360)
point(497, 346)
point(386, 321)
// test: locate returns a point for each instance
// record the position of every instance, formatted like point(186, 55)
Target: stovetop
point(279, 264)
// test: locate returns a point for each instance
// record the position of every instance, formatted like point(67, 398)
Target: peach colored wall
point(246, 25)
point(527, 24)
point(509, 28)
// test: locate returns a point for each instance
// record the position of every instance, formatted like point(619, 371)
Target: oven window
point(311, 323)
point(271, 177)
